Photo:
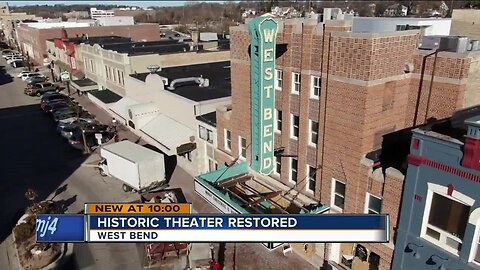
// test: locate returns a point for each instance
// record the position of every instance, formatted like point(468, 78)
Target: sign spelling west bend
point(263, 31)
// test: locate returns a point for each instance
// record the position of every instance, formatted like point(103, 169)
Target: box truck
point(139, 168)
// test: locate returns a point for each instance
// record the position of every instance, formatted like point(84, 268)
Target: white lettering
point(268, 73)
point(267, 146)
point(267, 114)
point(268, 55)
point(267, 130)
point(269, 89)
point(267, 163)
point(269, 33)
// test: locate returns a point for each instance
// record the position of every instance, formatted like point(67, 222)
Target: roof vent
point(154, 68)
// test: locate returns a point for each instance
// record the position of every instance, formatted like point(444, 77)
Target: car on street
point(62, 124)
point(53, 99)
point(14, 59)
point(77, 141)
point(34, 80)
point(52, 107)
point(31, 74)
point(19, 75)
point(39, 88)
point(69, 112)
point(18, 64)
point(10, 55)
point(68, 130)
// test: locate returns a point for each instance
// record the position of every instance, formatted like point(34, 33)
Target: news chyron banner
point(174, 223)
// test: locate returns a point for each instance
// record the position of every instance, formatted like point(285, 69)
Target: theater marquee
point(263, 31)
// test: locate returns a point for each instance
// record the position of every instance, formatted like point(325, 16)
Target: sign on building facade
point(263, 31)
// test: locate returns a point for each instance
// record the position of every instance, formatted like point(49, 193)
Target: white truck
point(139, 168)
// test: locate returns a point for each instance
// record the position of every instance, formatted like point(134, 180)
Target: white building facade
point(427, 26)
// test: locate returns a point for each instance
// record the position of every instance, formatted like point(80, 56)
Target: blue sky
point(130, 3)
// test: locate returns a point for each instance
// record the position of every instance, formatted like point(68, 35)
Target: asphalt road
point(33, 155)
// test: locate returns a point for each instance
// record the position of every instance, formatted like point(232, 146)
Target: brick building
point(337, 93)
point(32, 37)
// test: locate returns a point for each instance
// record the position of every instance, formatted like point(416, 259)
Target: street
point(35, 156)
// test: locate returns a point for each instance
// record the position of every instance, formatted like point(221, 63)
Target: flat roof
point(148, 47)
point(101, 40)
point(209, 118)
point(218, 73)
point(106, 96)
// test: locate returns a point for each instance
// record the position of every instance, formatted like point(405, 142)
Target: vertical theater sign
point(263, 31)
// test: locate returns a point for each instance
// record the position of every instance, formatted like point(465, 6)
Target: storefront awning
point(168, 132)
point(120, 107)
point(84, 85)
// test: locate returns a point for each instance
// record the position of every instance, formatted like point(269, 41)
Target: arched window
point(475, 249)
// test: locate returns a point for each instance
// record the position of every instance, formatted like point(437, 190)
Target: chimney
point(471, 151)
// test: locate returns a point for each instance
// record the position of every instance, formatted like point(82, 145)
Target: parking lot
point(36, 156)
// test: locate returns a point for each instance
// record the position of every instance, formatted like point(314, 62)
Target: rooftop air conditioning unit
point(474, 45)
point(454, 44)
point(430, 42)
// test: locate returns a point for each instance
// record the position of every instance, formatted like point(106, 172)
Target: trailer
point(139, 168)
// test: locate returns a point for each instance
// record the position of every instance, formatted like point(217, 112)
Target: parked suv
point(39, 88)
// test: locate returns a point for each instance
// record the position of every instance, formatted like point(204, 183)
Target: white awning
point(120, 107)
point(168, 133)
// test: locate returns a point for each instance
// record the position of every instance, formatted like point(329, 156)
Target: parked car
point(77, 142)
point(52, 107)
point(19, 75)
point(70, 112)
point(39, 88)
point(18, 64)
point(62, 124)
point(45, 100)
point(31, 74)
point(36, 79)
point(77, 127)
point(14, 59)
point(10, 55)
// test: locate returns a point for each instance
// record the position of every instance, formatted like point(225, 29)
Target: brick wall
point(369, 94)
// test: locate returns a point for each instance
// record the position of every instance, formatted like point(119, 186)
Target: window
point(312, 172)
point(373, 204)
point(92, 66)
point(388, 96)
point(313, 132)
point(447, 219)
point(278, 126)
point(279, 81)
point(278, 165)
point(295, 126)
point(477, 253)
point(338, 195)
point(119, 77)
point(228, 140)
point(114, 75)
point(106, 71)
point(316, 87)
point(242, 151)
point(296, 82)
point(293, 169)
point(205, 134)
point(85, 64)
point(212, 164)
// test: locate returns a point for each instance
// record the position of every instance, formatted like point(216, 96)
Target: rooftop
point(148, 47)
point(101, 40)
point(106, 96)
point(218, 73)
point(209, 118)
point(48, 25)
